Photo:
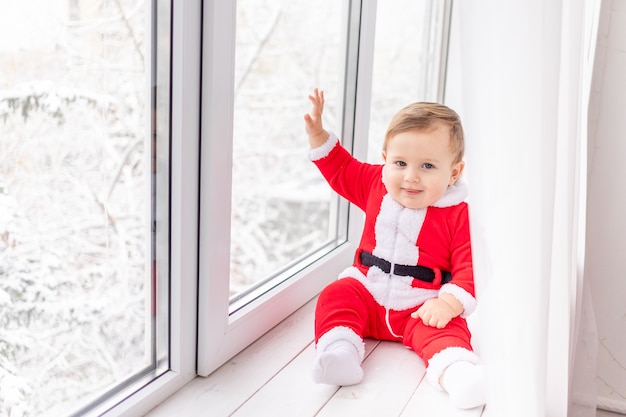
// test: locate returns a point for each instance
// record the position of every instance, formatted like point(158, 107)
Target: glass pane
point(282, 209)
point(406, 61)
point(77, 200)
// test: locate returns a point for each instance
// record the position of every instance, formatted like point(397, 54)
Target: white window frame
point(184, 183)
point(222, 335)
point(203, 335)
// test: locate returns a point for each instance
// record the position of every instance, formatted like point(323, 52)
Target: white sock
point(339, 364)
point(465, 383)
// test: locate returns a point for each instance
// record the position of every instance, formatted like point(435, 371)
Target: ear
point(457, 170)
point(384, 154)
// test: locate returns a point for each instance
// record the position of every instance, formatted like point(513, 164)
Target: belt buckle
point(438, 276)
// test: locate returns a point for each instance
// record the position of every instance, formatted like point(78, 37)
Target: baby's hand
point(313, 120)
point(435, 313)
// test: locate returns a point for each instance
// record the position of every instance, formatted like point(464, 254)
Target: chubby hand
point(313, 120)
point(437, 312)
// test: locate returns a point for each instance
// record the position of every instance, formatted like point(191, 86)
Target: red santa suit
point(376, 301)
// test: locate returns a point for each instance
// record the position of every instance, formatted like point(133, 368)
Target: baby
point(412, 279)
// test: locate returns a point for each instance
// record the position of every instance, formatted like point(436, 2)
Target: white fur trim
point(396, 231)
point(393, 292)
point(323, 151)
point(464, 297)
point(341, 333)
point(441, 360)
point(455, 194)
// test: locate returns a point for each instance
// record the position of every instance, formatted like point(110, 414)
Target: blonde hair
point(423, 116)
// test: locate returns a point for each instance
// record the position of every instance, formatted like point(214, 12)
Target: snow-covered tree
point(73, 206)
point(75, 202)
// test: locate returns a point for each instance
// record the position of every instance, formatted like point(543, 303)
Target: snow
point(15, 35)
point(74, 185)
point(72, 205)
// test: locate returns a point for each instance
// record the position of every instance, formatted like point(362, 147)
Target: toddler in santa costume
point(412, 278)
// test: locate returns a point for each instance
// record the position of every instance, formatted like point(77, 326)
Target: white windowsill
point(271, 377)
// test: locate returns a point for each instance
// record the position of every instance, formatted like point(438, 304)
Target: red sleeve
point(461, 252)
point(346, 175)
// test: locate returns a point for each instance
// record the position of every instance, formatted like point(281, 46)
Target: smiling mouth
point(411, 191)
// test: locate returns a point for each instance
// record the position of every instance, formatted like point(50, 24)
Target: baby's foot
point(465, 383)
point(338, 365)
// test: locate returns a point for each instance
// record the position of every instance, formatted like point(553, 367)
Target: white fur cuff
point(323, 151)
point(441, 360)
point(464, 297)
point(341, 333)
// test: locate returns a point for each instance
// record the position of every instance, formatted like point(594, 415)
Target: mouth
point(411, 191)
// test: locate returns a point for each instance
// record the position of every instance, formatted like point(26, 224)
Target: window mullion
point(222, 335)
point(218, 61)
point(185, 138)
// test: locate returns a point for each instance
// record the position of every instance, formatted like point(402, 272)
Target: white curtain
point(519, 74)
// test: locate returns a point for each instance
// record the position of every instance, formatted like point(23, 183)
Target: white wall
point(606, 216)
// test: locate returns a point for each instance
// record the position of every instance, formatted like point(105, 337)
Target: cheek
point(390, 178)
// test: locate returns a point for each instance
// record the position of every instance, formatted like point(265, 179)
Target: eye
point(400, 163)
point(427, 165)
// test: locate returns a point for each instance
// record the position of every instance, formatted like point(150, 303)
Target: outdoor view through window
point(84, 173)
point(282, 209)
point(79, 186)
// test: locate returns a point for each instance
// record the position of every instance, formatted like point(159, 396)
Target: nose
point(411, 175)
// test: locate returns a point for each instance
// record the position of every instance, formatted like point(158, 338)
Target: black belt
point(422, 273)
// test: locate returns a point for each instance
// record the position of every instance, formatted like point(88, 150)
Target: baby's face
point(419, 166)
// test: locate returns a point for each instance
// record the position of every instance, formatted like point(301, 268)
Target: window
point(410, 55)
point(279, 217)
point(282, 211)
point(155, 187)
point(272, 233)
point(84, 202)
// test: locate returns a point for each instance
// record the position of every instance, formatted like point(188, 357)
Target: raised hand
point(313, 120)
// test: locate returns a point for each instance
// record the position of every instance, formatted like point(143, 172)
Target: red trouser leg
point(347, 303)
point(348, 309)
point(440, 348)
point(426, 341)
